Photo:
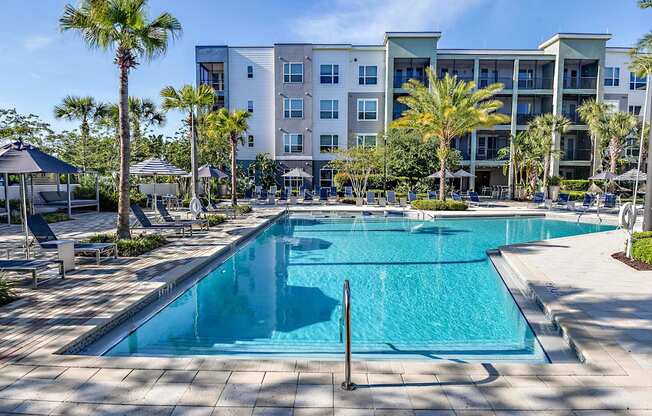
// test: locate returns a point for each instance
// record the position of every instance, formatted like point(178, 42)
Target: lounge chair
point(163, 212)
point(262, 197)
point(248, 195)
point(587, 203)
point(348, 192)
point(146, 224)
point(456, 196)
point(283, 197)
point(563, 201)
point(323, 194)
point(45, 237)
point(474, 199)
point(59, 199)
point(371, 198)
point(273, 189)
point(31, 266)
point(432, 195)
point(307, 196)
point(333, 194)
point(411, 196)
point(538, 199)
point(391, 198)
point(609, 201)
point(257, 190)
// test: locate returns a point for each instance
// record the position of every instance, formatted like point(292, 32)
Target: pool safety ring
point(195, 207)
point(627, 216)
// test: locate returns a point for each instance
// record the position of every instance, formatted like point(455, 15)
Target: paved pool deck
point(604, 307)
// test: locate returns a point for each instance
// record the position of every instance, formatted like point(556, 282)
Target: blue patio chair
point(371, 198)
point(348, 192)
point(391, 197)
point(456, 196)
point(609, 200)
point(432, 195)
point(284, 195)
point(587, 203)
point(249, 194)
point(563, 201)
point(333, 193)
point(307, 195)
point(262, 196)
point(411, 196)
point(538, 198)
point(323, 193)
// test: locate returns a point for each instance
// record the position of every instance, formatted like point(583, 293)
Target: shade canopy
point(20, 157)
point(155, 166)
point(603, 176)
point(297, 173)
point(448, 175)
point(463, 174)
point(594, 189)
point(210, 171)
point(631, 175)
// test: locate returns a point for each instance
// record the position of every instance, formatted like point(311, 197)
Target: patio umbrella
point(297, 173)
point(448, 175)
point(603, 176)
point(631, 175)
point(210, 171)
point(463, 174)
point(155, 167)
point(23, 158)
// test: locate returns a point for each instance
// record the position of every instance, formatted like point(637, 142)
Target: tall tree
point(86, 110)
point(232, 127)
point(592, 112)
point(615, 128)
point(122, 26)
point(189, 100)
point(447, 109)
point(544, 128)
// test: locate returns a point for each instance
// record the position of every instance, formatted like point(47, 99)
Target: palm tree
point(615, 128)
point(544, 128)
point(188, 99)
point(86, 110)
point(592, 112)
point(527, 159)
point(123, 26)
point(232, 127)
point(447, 109)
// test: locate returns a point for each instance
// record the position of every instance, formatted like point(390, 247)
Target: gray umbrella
point(603, 176)
point(23, 158)
point(155, 167)
point(631, 175)
point(210, 171)
point(448, 175)
point(297, 173)
point(463, 174)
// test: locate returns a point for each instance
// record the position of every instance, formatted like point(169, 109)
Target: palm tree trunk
point(84, 140)
point(234, 171)
point(546, 168)
point(193, 153)
point(123, 189)
point(613, 158)
point(442, 179)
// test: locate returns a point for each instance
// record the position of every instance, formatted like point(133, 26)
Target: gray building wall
point(367, 126)
point(293, 53)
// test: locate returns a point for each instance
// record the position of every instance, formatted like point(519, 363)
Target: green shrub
point(642, 250)
point(215, 219)
point(350, 201)
point(52, 217)
point(437, 205)
point(133, 247)
point(575, 184)
point(243, 209)
point(641, 235)
point(575, 195)
point(7, 293)
point(554, 181)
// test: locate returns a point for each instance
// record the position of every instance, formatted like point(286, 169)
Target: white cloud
point(365, 21)
point(36, 42)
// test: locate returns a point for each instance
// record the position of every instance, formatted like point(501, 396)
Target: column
point(510, 179)
point(474, 133)
point(557, 99)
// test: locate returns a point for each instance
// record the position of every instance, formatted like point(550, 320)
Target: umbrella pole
point(7, 205)
point(23, 186)
point(68, 192)
point(154, 203)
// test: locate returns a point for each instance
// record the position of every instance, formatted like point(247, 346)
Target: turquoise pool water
point(418, 288)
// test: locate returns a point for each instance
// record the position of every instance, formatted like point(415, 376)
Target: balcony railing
point(573, 117)
point(491, 153)
point(465, 154)
point(581, 83)
point(506, 81)
point(576, 154)
point(466, 78)
point(522, 119)
point(535, 83)
point(399, 80)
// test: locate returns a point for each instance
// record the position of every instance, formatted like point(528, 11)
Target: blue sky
point(39, 65)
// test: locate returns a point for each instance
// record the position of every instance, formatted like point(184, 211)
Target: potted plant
point(554, 183)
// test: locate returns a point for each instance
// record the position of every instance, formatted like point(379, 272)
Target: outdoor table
point(65, 253)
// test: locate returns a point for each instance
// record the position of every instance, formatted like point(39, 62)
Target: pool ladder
point(346, 322)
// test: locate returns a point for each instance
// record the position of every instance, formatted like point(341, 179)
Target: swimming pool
point(418, 289)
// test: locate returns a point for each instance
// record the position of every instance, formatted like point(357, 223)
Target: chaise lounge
point(165, 214)
point(31, 266)
point(146, 224)
point(59, 199)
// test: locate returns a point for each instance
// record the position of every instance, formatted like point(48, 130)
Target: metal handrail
point(346, 311)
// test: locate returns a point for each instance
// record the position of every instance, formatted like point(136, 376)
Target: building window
point(612, 76)
point(328, 109)
point(635, 109)
point(366, 140)
point(212, 74)
point(329, 74)
point(367, 109)
point(250, 106)
point(293, 108)
point(250, 71)
point(326, 177)
point(328, 143)
point(368, 75)
point(250, 141)
point(292, 143)
point(293, 72)
point(636, 82)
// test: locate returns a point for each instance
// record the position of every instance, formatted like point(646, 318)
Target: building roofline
point(570, 35)
point(428, 34)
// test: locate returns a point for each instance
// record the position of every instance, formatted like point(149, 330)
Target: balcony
point(522, 119)
point(400, 79)
point(583, 154)
point(490, 153)
point(573, 117)
point(580, 83)
point(535, 83)
point(506, 81)
point(465, 153)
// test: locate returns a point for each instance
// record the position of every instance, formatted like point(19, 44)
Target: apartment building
point(308, 99)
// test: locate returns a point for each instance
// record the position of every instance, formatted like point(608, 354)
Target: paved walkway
point(572, 277)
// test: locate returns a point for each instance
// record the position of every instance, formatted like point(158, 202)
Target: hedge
point(575, 185)
point(243, 209)
point(642, 249)
point(7, 293)
point(437, 205)
point(52, 217)
point(215, 219)
point(134, 246)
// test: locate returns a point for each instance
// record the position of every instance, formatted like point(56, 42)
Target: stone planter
point(553, 192)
